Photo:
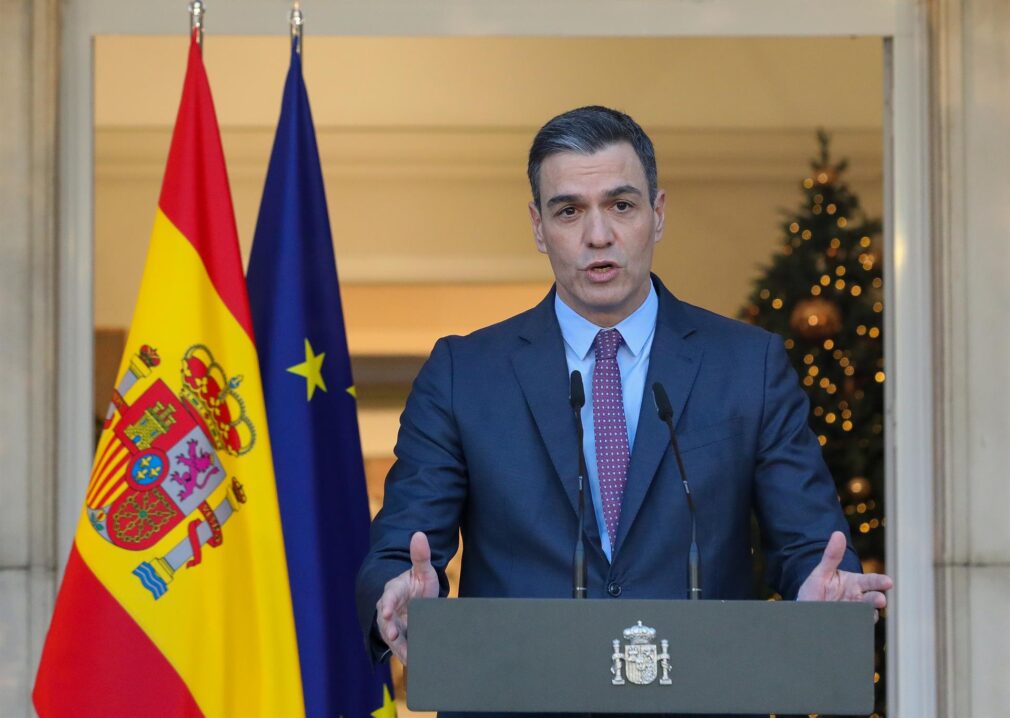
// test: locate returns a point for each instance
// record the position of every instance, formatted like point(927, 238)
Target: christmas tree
point(823, 292)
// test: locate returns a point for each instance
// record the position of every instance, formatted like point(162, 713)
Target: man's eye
point(567, 212)
point(622, 206)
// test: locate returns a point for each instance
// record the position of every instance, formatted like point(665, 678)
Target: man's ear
point(659, 211)
point(538, 232)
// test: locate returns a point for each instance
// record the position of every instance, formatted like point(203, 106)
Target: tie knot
point(608, 341)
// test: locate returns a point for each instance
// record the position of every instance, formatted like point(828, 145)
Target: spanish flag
point(175, 600)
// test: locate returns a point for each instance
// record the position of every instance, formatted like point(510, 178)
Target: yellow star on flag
point(311, 369)
point(388, 709)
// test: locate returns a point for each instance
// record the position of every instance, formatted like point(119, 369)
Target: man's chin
point(605, 309)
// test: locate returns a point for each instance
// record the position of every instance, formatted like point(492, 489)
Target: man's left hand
point(827, 583)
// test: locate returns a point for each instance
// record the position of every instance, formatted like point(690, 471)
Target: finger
point(391, 628)
point(399, 647)
point(875, 598)
point(384, 609)
point(875, 582)
point(394, 596)
point(394, 634)
point(420, 553)
point(424, 580)
point(390, 634)
point(834, 552)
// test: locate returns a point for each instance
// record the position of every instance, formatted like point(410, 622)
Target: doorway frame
point(910, 307)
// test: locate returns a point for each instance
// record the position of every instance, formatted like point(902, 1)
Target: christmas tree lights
point(823, 292)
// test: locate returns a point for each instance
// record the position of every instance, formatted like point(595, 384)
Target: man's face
point(598, 229)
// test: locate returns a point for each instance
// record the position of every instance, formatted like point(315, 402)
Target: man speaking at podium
point(488, 444)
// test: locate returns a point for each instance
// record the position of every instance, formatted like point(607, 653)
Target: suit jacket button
point(614, 589)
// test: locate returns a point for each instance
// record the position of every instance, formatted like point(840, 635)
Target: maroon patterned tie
point(610, 427)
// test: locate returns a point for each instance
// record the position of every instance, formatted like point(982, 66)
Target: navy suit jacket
point(487, 446)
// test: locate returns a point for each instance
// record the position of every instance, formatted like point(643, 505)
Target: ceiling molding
point(494, 155)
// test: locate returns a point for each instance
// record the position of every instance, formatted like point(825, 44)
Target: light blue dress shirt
point(638, 330)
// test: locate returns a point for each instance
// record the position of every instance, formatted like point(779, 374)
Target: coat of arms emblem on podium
point(640, 662)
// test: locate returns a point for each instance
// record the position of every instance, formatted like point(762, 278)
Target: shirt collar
point(579, 333)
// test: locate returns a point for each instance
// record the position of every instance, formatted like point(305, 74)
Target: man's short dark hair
point(588, 130)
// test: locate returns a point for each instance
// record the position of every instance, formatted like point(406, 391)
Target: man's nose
point(597, 230)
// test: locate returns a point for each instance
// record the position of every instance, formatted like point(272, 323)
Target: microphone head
point(577, 392)
point(663, 406)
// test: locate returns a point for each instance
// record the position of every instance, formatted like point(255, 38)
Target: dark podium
point(630, 656)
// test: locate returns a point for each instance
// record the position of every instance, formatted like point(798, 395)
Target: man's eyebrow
point(563, 199)
point(624, 189)
point(575, 198)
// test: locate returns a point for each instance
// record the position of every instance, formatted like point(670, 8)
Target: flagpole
point(296, 19)
point(196, 12)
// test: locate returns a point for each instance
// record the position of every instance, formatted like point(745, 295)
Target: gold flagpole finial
point(297, 20)
point(196, 12)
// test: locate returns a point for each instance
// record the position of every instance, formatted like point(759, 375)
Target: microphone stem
point(579, 563)
point(694, 555)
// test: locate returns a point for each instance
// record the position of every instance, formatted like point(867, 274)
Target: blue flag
point(312, 414)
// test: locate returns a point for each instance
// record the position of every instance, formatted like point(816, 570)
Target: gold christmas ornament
point(815, 319)
point(858, 487)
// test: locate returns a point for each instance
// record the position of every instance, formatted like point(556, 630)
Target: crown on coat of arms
point(144, 361)
point(639, 634)
point(208, 390)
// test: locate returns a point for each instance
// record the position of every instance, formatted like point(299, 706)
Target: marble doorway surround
point(64, 278)
point(29, 65)
point(970, 54)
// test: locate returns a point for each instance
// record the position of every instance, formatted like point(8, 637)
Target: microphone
point(577, 399)
point(665, 411)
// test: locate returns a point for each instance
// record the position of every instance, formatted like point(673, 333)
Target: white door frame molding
point(909, 426)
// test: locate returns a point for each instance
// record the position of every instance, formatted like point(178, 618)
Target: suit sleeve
point(425, 490)
point(795, 497)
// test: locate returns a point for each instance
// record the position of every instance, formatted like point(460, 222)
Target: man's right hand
point(419, 581)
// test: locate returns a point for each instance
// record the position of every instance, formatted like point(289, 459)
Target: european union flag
point(312, 413)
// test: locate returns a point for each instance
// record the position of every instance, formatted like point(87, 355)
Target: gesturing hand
point(827, 583)
point(419, 581)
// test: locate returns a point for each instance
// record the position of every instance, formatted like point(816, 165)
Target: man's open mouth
point(601, 268)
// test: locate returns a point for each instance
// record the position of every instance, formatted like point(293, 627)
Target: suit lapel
point(542, 372)
point(674, 362)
